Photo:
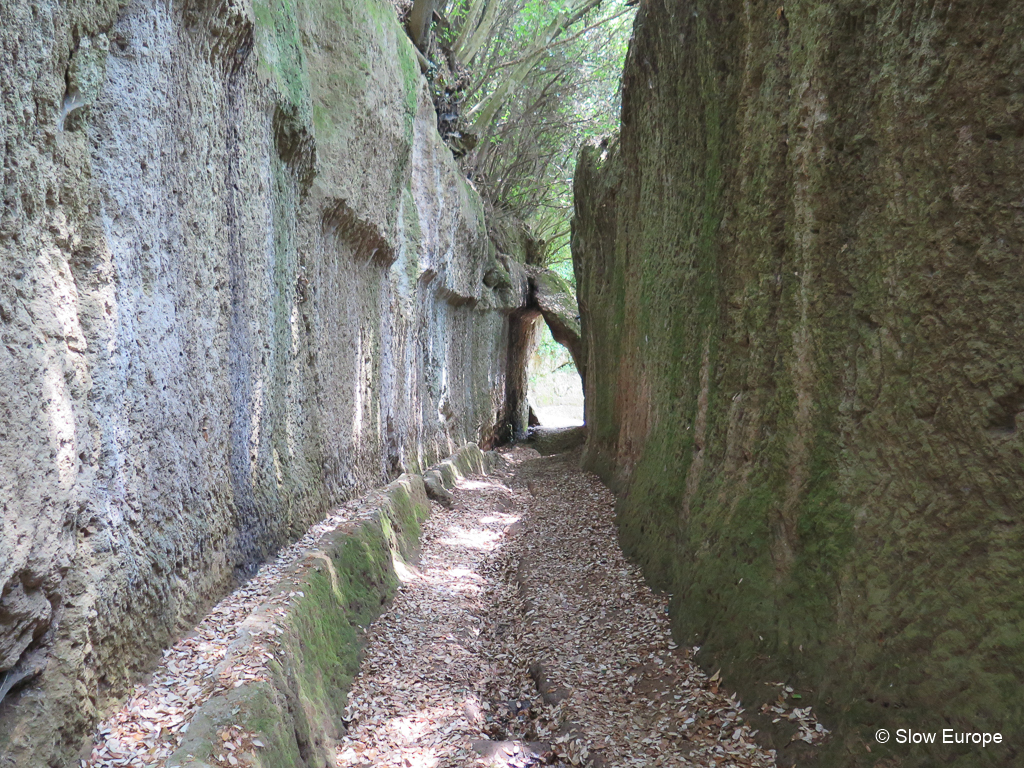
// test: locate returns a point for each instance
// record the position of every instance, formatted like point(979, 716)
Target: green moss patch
point(794, 378)
point(336, 591)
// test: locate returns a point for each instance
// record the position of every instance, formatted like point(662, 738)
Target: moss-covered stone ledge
point(317, 614)
point(468, 460)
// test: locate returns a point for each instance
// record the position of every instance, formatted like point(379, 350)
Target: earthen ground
point(526, 638)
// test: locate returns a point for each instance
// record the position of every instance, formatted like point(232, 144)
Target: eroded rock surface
point(801, 292)
point(241, 279)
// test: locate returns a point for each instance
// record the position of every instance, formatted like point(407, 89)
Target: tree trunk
point(418, 24)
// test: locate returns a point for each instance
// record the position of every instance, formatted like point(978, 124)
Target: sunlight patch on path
point(525, 587)
point(407, 706)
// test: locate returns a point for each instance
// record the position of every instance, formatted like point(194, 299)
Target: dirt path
point(525, 638)
point(522, 638)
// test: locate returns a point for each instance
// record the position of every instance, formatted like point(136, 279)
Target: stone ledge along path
point(523, 637)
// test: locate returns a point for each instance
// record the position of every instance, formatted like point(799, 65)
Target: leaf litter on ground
point(520, 580)
point(523, 581)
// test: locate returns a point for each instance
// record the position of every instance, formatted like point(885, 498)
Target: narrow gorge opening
point(555, 386)
point(302, 306)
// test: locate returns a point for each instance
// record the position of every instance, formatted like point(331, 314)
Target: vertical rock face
point(802, 294)
point(241, 279)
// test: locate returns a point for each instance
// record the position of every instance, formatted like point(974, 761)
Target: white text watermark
point(945, 736)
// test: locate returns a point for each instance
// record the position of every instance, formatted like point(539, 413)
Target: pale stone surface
point(241, 280)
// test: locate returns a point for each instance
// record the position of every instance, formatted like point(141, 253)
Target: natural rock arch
point(549, 297)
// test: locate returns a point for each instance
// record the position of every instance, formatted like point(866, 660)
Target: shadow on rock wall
point(242, 279)
point(800, 281)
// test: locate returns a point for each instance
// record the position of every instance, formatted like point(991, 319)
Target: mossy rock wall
point(321, 609)
point(241, 280)
point(802, 299)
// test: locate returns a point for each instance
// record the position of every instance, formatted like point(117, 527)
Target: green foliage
point(543, 78)
point(560, 262)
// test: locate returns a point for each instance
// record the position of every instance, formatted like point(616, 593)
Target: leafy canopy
point(532, 80)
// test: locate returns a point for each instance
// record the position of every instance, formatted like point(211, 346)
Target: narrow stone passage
point(425, 663)
point(525, 638)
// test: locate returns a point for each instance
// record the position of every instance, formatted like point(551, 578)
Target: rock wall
point(241, 279)
point(342, 581)
point(802, 294)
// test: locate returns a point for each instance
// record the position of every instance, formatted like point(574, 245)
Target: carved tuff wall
point(241, 279)
point(800, 276)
